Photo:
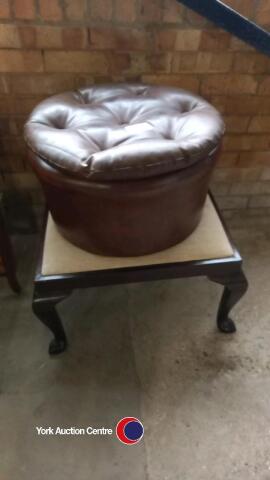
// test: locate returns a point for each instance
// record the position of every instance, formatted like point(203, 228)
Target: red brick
point(124, 78)
point(186, 58)
point(76, 9)
point(187, 39)
point(201, 62)
point(240, 188)
point(173, 12)
point(227, 159)
point(104, 38)
point(24, 9)
point(246, 175)
point(260, 124)
point(44, 36)
point(265, 175)
point(228, 84)
point(49, 37)
point(101, 10)
point(249, 62)
point(125, 11)
point(236, 123)
point(28, 36)
point(215, 40)
point(222, 174)
point(9, 37)
point(238, 45)
point(20, 61)
point(263, 13)
point(41, 83)
point(234, 174)
point(6, 105)
point(188, 82)
point(160, 63)
point(242, 104)
point(101, 79)
point(257, 213)
point(83, 80)
point(4, 85)
point(178, 40)
point(4, 9)
point(264, 86)
point(165, 39)
point(259, 201)
point(219, 188)
point(194, 18)
point(139, 64)
point(183, 62)
point(261, 188)
point(74, 38)
point(119, 62)
point(121, 39)
point(18, 124)
point(233, 202)
point(245, 7)
point(143, 63)
point(248, 159)
point(25, 105)
point(150, 11)
point(76, 61)
point(246, 142)
point(50, 10)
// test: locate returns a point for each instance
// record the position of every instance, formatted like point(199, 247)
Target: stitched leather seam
point(95, 170)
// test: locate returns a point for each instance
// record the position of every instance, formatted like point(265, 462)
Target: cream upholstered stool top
point(208, 241)
point(208, 252)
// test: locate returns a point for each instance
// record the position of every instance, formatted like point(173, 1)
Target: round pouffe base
point(130, 218)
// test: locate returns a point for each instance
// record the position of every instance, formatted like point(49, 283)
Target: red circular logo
point(129, 430)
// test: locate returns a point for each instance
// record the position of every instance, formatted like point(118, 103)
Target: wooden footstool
point(209, 252)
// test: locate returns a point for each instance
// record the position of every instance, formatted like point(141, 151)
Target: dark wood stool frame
point(6, 253)
point(49, 290)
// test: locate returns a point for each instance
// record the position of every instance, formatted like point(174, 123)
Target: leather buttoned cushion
point(123, 131)
point(125, 168)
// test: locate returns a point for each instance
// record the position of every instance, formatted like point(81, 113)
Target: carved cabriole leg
point(44, 308)
point(236, 285)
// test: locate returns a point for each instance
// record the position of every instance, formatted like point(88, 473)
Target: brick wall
point(48, 46)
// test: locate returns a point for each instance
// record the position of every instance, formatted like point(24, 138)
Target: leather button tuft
point(162, 136)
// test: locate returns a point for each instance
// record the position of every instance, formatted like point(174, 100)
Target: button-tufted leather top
point(123, 131)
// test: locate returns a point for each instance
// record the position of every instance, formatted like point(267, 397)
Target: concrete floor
point(146, 350)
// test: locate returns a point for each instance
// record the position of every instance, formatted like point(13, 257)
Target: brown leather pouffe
point(125, 168)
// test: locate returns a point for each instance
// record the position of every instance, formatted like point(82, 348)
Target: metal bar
point(230, 20)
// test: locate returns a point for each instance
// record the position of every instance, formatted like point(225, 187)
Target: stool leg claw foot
point(44, 309)
point(57, 345)
point(226, 325)
point(235, 286)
